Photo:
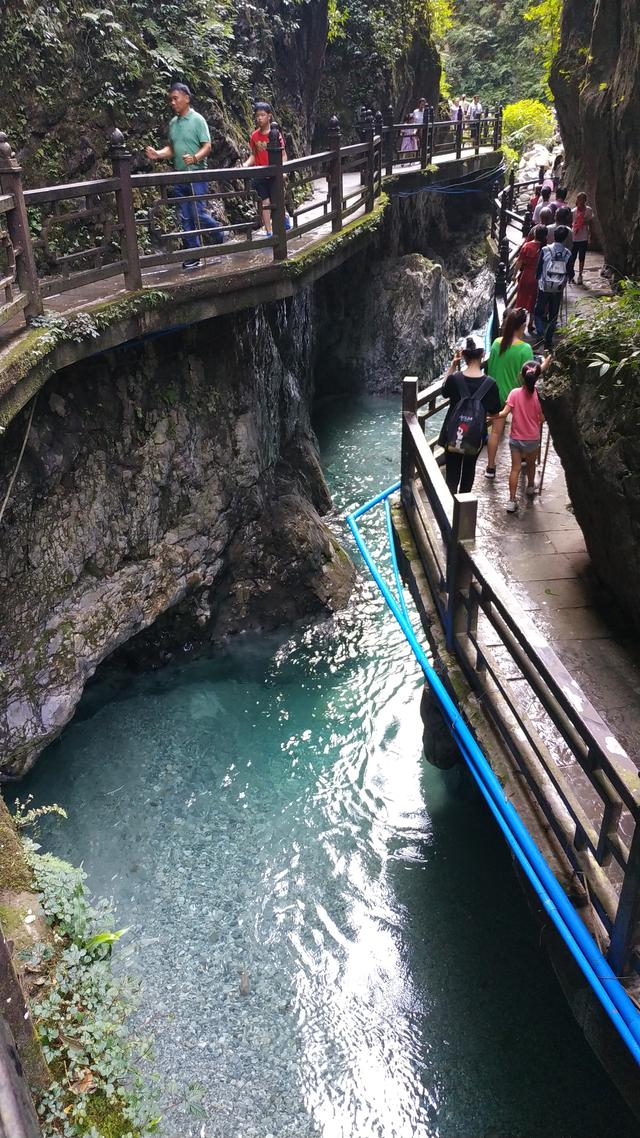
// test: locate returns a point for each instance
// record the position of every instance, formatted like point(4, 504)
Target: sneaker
point(512, 506)
point(197, 263)
point(490, 472)
point(580, 280)
point(531, 491)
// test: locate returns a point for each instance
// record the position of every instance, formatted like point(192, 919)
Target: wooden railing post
point(378, 129)
point(625, 934)
point(512, 188)
point(497, 129)
point(274, 150)
point(121, 161)
point(409, 407)
point(494, 218)
point(431, 138)
point(370, 165)
point(18, 228)
point(502, 230)
point(335, 174)
point(459, 129)
point(465, 513)
point(389, 140)
point(424, 139)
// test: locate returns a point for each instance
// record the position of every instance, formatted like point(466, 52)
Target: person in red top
point(258, 143)
point(527, 265)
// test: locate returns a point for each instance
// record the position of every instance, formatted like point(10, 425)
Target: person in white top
point(418, 113)
point(464, 103)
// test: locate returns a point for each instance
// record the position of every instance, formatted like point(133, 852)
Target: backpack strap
point(461, 384)
point(483, 389)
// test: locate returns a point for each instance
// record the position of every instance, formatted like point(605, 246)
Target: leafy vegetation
point(608, 340)
point(545, 17)
point(82, 1018)
point(501, 49)
point(526, 122)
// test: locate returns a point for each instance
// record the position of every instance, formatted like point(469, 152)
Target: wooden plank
point(54, 285)
point(70, 190)
point(8, 311)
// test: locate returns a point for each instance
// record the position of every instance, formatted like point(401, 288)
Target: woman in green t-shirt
point(508, 353)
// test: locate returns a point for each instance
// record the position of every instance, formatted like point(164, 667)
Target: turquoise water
point(264, 820)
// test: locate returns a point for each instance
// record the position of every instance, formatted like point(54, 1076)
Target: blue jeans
point(191, 213)
point(547, 308)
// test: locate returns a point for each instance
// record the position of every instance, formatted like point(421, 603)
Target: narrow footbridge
point(532, 736)
point(117, 234)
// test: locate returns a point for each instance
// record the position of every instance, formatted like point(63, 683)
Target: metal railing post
point(18, 227)
point(121, 161)
point(388, 140)
point(274, 150)
point(371, 165)
point(335, 174)
point(625, 934)
point(409, 407)
point(465, 514)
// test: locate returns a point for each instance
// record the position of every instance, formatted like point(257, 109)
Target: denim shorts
point(527, 446)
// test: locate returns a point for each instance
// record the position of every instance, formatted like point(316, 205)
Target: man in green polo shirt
point(189, 146)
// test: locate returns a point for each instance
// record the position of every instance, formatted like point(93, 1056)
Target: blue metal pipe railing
point(621, 1010)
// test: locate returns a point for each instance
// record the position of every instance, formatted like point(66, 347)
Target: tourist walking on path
point(418, 113)
point(409, 138)
point(544, 202)
point(581, 229)
point(523, 405)
point(470, 385)
point(552, 274)
point(189, 146)
point(509, 352)
point(258, 143)
point(474, 115)
point(526, 266)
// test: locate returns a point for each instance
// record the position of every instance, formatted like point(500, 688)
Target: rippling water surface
point(331, 940)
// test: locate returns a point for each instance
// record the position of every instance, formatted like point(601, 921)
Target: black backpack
point(466, 427)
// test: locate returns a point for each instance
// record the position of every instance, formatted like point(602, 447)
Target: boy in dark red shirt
point(258, 143)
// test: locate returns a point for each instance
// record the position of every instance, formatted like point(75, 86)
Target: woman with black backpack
point(473, 395)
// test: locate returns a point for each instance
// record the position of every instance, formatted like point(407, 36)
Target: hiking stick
point(544, 461)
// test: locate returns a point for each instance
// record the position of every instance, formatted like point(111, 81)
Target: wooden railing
point(63, 237)
point(585, 784)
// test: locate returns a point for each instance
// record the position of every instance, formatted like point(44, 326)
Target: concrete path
point(541, 552)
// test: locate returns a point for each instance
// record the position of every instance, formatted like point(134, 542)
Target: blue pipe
point(615, 1001)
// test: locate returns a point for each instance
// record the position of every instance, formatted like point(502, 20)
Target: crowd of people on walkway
point(557, 239)
point(483, 394)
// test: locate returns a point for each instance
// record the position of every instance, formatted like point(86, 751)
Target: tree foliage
point(526, 122)
point(545, 17)
point(492, 49)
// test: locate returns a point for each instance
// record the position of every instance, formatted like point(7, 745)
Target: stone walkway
point(541, 553)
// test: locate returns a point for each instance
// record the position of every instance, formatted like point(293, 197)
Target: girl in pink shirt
point(523, 405)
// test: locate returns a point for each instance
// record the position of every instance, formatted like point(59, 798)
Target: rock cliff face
point(393, 313)
point(594, 427)
point(174, 479)
point(595, 80)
